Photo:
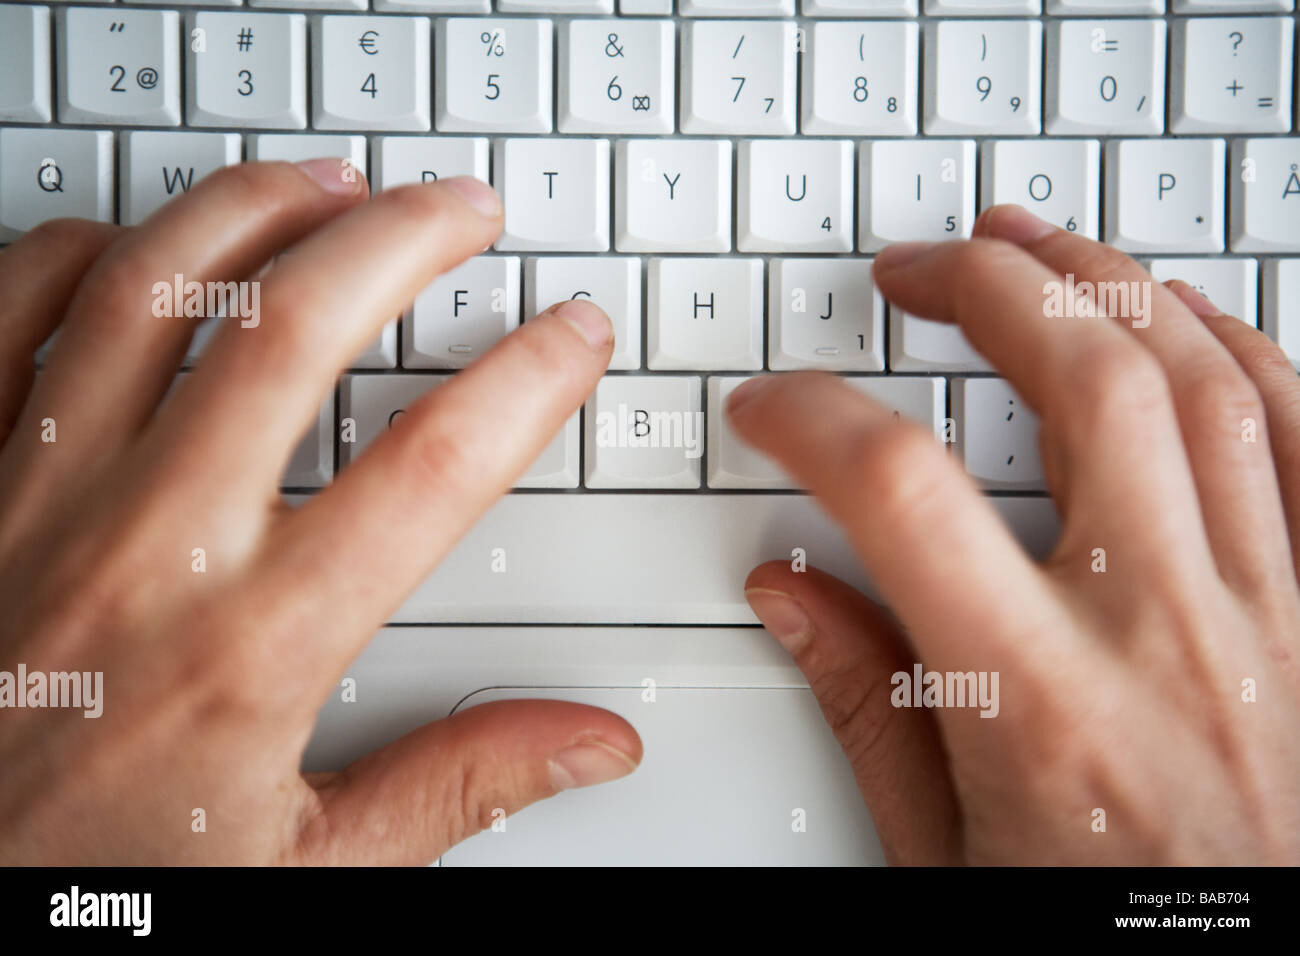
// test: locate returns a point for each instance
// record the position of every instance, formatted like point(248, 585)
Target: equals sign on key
point(1265, 102)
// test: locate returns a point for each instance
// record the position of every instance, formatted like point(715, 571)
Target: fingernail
point(585, 765)
point(900, 254)
point(782, 616)
point(589, 320)
point(746, 391)
point(337, 176)
point(477, 193)
point(1014, 224)
point(1199, 304)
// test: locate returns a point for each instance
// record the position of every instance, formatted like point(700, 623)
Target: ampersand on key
point(612, 49)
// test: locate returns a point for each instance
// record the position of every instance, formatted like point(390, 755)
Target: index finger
point(938, 552)
point(422, 483)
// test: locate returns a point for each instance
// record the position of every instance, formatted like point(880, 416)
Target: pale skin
point(1120, 691)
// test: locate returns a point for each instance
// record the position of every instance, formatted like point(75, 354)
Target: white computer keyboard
point(717, 180)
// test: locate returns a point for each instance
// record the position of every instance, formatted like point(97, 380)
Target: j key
point(1281, 288)
point(1058, 181)
point(997, 435)
point(920, 345)
point(983, 76)
point(157, 167)
point(25, 53)
point(612, 282)
point(1265, 206)
point(704, 314)
point(1231, 284)
point(735, 464)
point(462, 314)
point(1232, 75)
point(1106, 76)
point(494, 75)
point(250, 71)
point(119, 66)
point(555, 193)
point(375, 403)
point(915, 190)
point(426, 159)
point(644, 432)
point(370, 73)
point(616, 78)
point(53, 173)
point(1165, 195)
point(739, 77)
point(795, 196)
point(672, 195)
point(861, 80)
point(824, 313)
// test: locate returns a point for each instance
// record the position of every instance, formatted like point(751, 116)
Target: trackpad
point(731, 776)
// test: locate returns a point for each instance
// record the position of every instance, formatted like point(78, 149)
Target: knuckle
point(1112, 381)
point(1220, 398)
point(857, 710)
point(435, 459)
point(262, 185)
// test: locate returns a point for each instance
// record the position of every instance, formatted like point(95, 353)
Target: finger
point(421, 485)
point(849, 651)
point(38, 275)
point(414, 799)
point(915, 519)
point(116, 356)
point(1236, 487)
point(1091, 384)
point(322, 304)
point(1279, 389)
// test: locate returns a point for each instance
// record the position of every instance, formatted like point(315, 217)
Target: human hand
point(1164, 691)
point(212, 681)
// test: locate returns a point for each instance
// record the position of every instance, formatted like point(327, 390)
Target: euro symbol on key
point(50, 177)
point(369, 42)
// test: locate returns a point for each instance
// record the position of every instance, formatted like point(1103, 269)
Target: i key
point(915, 189)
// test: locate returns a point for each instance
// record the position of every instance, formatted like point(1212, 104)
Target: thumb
point(848, 649)
point(412, 800)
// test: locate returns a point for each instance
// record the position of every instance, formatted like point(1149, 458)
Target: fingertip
point(898, 255)
point(1011, 223)
point(482, 197)
point(589, 321)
